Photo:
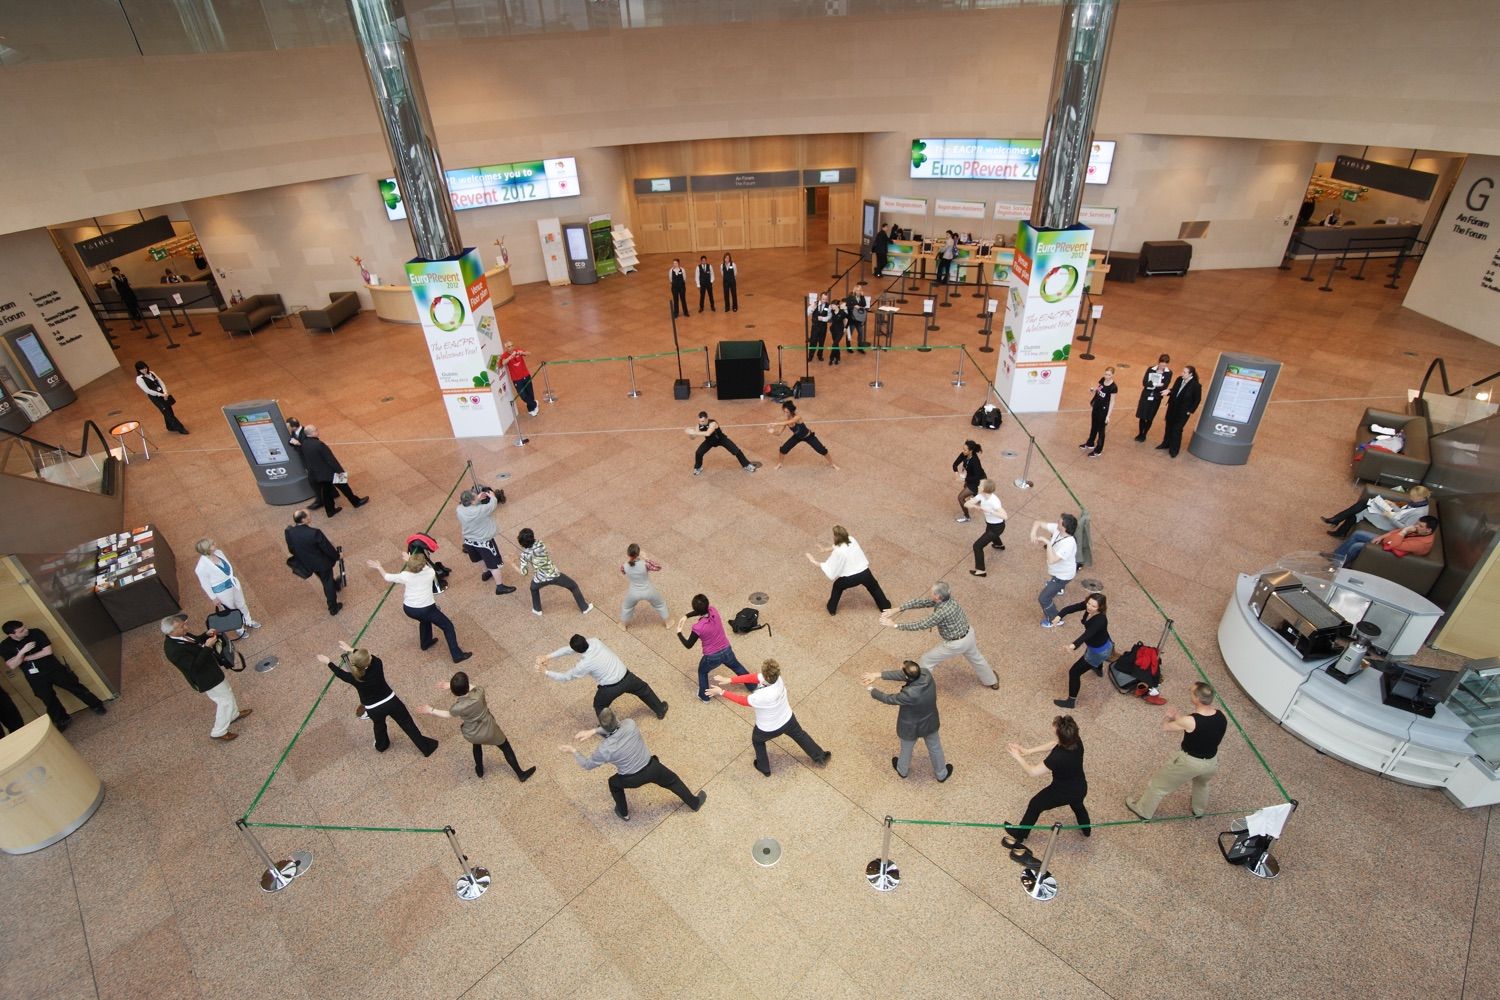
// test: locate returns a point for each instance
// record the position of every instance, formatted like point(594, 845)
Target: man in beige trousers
point(1197, 760)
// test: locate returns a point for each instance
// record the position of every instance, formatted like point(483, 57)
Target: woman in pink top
point(716, 649)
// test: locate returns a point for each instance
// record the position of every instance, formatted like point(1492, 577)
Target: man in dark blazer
point(312, 550)
point(322, 467)
point(295, 435)
point(916, 716)
point(194, 656)
point(1187, 393)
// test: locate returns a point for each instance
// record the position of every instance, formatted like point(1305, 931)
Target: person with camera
point(198, 660)
point(312, 554)
point(476, 523)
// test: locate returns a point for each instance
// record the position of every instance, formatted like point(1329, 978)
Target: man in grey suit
point(916, 716)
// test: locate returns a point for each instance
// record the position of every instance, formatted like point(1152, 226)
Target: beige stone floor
point(1385, 890)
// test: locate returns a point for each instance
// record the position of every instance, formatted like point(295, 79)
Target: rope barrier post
point(877, 383)
point(277, 875)
point(901, 285)
point(987, 329)
point(1039, 883)
point(982, 287)
point(1360, 274)
point(1091, 327)
point(547, 394)
point(882, 873)
point(1310, 265)
point(475, 881)
point(708, 375)
point(1327, 286)
point(945, 303)
point(1025, 483)
point(958, 375)
point(634, 392)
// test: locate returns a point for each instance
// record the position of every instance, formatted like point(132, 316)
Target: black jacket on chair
point(917, 714)
point(319, 461)
point(311, 548)
point(1185, 400)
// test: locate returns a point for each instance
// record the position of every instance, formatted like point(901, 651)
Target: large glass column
point(1077, 73)
point(385, 42)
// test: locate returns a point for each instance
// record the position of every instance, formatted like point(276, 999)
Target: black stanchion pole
point(1327, 286)
point(1310, 265)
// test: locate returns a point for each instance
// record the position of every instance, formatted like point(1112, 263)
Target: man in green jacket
point(194, 656)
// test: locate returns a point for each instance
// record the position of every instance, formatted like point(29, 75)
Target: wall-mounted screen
point(497, 184)
point(41, 365)
point(995, 160)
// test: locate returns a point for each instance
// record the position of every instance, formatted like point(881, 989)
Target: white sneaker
point(961, 520)
point(536, 612)
point(588, 609)
point(252, 624)
point(533, 411)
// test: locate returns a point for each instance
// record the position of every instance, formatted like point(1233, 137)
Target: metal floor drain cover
point(760, 598)
point(1122, 364)
point(265, 665)
point(766, 852)
point(387, 399)
point(1010, 454)
point(1094, 585)
point(502, 475)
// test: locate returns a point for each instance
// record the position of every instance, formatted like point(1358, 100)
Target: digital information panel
point(497, 184)
point(995, 160)
point(1233, 404)
point(260, 431)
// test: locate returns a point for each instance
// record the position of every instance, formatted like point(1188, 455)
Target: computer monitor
point(1412, 689)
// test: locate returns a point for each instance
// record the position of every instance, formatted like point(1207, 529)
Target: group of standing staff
point(1182, 398)
point(841, 322)
point(703, 280)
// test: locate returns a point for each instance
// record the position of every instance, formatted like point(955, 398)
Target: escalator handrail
point(1442, 370)
point(83, 446)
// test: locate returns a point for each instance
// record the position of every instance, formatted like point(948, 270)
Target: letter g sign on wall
point(1478, 198)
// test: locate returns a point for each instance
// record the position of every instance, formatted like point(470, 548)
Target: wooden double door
point(739, 220)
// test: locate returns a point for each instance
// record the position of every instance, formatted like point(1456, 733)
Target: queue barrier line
point(255, 803)
point(622, 357)
point(871, 347)
point(1198, 667)
point(1075, 826)
point(330, 826)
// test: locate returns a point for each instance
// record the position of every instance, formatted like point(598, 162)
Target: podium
point(49, 790)
point(740, 367)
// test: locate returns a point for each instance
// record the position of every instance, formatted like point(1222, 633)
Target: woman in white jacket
point(847, 567)
point(217, 578)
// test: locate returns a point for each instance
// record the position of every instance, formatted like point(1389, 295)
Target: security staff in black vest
point(679, 288)
point(704, 279)
point(822, 314)
point(731, 284)
point(321, 467)
point(29, 650)
point(1153, 387)
point(1187, 393)
point(316, 554)
point(156, 390)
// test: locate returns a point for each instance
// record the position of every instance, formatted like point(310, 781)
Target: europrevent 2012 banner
point(996, 160)
point(463, 340)
point(1045, 286)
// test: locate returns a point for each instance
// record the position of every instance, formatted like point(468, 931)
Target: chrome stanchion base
point(278, 878)
point(877, 384)
point(472, 884)
point(633, 393)
point(883, 875)
point(957, 383)
point(549, 396)
point(1040, 889)
point(1022, 484)
point(1266, 867)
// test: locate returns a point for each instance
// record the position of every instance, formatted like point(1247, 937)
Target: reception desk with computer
point(1282, 636)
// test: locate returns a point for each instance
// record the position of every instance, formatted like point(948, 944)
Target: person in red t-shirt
point(514, 360)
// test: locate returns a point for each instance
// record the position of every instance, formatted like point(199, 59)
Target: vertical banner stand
point(547, 394)
point(475, 881)
point(882, 873)
point(1039, 883)
point(278, 875)
point(634, 393)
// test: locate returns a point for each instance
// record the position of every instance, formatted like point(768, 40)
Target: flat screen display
point(497, 184)
point(261, 437)
point(1238, 392)
point(828, 176)
point(661, 184)
point(41, 365)
point(996, 160)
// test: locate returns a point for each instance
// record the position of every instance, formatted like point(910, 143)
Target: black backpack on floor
point(748, 620)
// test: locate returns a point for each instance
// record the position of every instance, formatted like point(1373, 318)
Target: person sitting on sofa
point(1412, 540)
point(1381, 512)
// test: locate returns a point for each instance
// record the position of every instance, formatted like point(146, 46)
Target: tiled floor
point(1386, 890)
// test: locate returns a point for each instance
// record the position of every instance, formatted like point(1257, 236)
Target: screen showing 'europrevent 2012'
point(995, 160)
point(497, 184)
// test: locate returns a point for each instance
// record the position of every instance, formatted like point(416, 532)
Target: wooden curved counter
point(394, 302)
point(46, 789)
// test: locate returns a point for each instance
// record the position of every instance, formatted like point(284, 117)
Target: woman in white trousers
point(217, 578)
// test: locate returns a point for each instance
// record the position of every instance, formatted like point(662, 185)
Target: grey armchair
point(1387, 468)
point(342, 306)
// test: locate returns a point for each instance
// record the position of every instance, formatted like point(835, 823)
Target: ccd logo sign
point(14, 794)
point(1226, 430)
point(276, 472)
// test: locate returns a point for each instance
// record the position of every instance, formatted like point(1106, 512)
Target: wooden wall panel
point(706, 221)
point(734, 230)
point(679, 222)
point(775, 152)
point(843, 214)
point(837, 150)
point(657, 159)
point(718, 156)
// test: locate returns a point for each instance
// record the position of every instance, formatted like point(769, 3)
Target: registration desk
point(971, 268)
point(1379, 241)
point(46, 789)
point(394, 302)
point(1348, 721)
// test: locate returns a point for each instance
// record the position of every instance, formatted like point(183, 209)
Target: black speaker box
point(806, 388)
point(682, 389)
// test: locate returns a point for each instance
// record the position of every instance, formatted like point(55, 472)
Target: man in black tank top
point(1202, 730)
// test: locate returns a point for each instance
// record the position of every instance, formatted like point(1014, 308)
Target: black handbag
point(297, 568)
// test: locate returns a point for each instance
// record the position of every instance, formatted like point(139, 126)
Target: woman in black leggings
point(1095, 643)
point(1068, 788)
point(800, 433)
point(366, 674)
point(476, 723)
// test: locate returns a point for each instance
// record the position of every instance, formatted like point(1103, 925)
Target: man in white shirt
point(703, 277)
point(773, 714)
point(1062, 562)
point(598, 661)
point(989, 504)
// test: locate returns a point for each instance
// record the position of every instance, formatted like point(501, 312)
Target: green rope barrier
point(622, 357)
point(255, 803)
point(1073, 826)
point(365, 829)
point(872, 347)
